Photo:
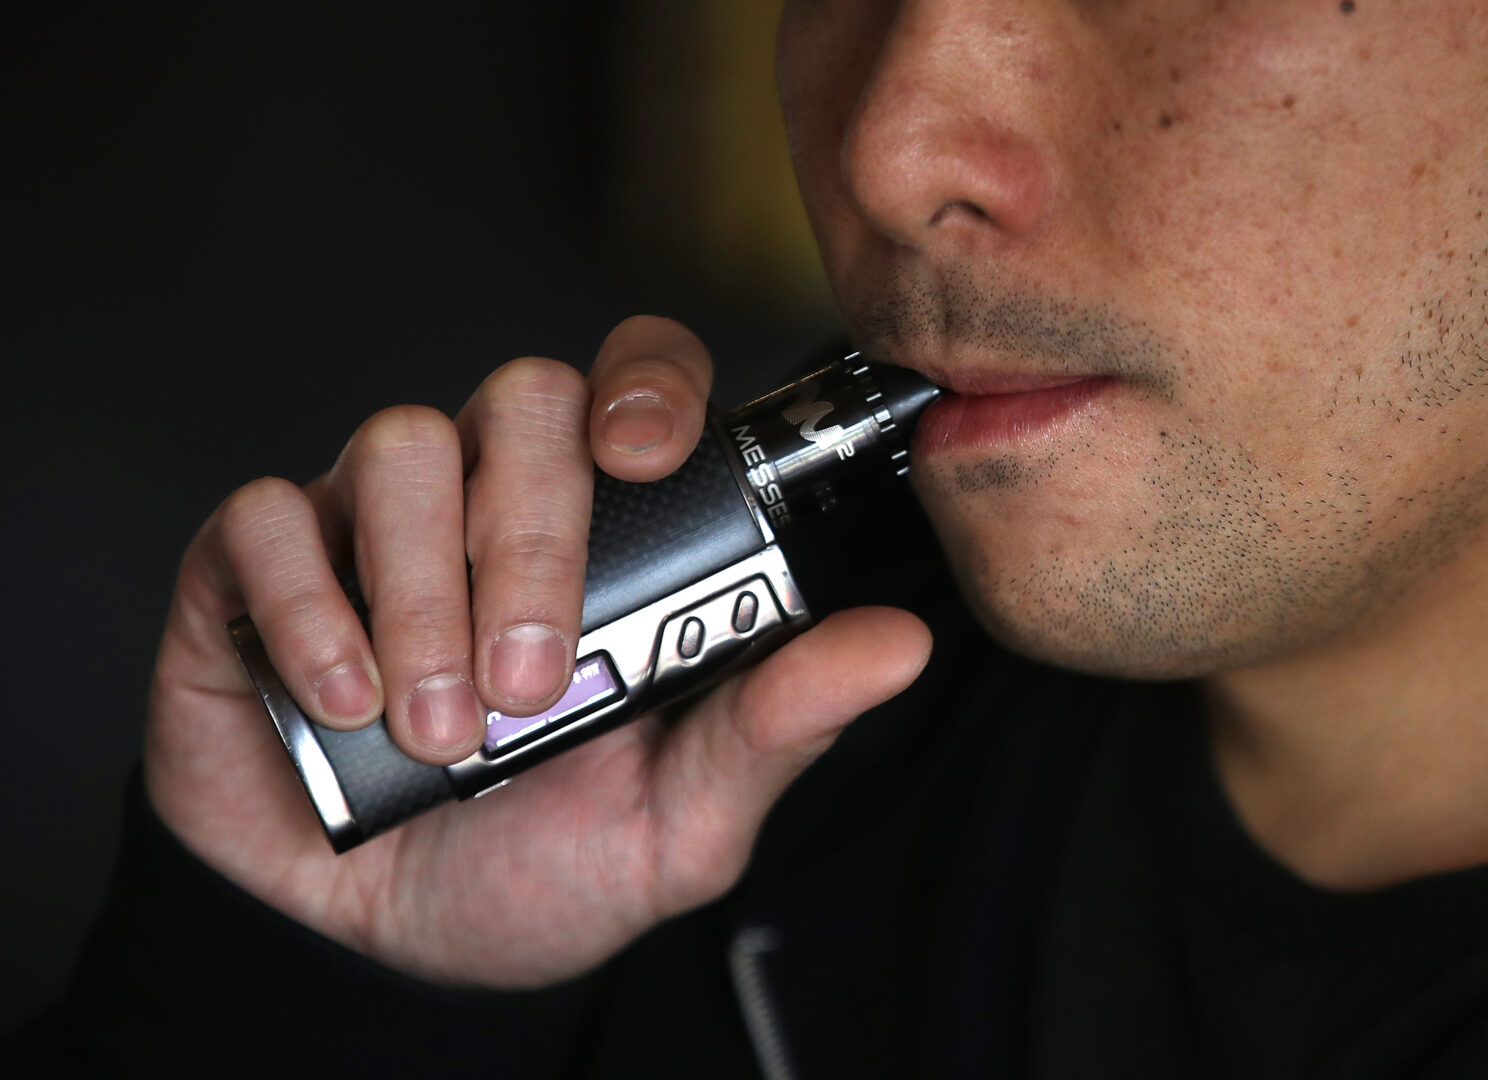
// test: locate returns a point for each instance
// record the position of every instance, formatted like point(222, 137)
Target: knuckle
point(539, 562)
point(260, 510)
point(405, 434)
point(305, 612)
point(530, 380)
point(429, 614)
point(295, 605)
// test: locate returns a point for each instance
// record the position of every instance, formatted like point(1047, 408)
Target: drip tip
point(906, 394)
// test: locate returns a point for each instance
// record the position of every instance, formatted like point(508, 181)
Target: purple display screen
point(594, 684)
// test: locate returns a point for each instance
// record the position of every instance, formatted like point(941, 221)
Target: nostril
point(960, 207)
point(924, 173)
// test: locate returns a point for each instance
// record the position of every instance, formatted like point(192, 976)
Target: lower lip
point(987, 420)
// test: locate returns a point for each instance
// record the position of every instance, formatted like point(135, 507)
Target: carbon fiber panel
point(381, 785)
point(648, 540)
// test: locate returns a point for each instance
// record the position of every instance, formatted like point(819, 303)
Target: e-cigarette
point(688, 577)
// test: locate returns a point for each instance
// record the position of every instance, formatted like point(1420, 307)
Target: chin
point(1093, 630)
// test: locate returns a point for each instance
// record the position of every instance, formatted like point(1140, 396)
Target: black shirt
point(1009, 871)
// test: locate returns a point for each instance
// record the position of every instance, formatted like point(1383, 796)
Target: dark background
point(232, 232)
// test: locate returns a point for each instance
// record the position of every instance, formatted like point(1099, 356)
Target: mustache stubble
point(940, 315)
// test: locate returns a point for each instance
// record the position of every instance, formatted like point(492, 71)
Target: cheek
point(1301, 186)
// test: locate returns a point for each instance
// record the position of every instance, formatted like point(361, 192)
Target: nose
point(950, 142)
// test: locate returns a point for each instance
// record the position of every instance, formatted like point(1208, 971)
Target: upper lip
point(977, 382)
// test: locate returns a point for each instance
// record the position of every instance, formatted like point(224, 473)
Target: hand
point(575, 858)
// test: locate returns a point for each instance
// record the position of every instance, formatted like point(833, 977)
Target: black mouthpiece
point(906, 393)
point(836, 429)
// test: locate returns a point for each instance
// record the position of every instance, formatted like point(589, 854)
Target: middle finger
point(527, 506)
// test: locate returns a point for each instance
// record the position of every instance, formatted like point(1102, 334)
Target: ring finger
point(529, 498)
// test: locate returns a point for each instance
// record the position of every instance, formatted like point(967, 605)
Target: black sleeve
point(185, 974)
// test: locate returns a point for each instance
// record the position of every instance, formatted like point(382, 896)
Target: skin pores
point(1259, 223)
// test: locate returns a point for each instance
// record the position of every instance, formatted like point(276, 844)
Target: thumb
point(720, 771)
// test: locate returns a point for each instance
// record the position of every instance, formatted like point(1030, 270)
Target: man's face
point(1253, 231)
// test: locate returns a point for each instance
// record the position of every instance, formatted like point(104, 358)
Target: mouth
point(1002, 411)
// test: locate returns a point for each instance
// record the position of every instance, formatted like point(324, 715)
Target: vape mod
point(686, 577)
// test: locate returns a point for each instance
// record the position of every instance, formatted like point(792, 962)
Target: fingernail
point(347, 691)
point(527, 662)
point(443, 711)
point(637, 423)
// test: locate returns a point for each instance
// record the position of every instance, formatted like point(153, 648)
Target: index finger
point(650, 387)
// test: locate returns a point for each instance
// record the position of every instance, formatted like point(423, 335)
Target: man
point(1205, 283)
